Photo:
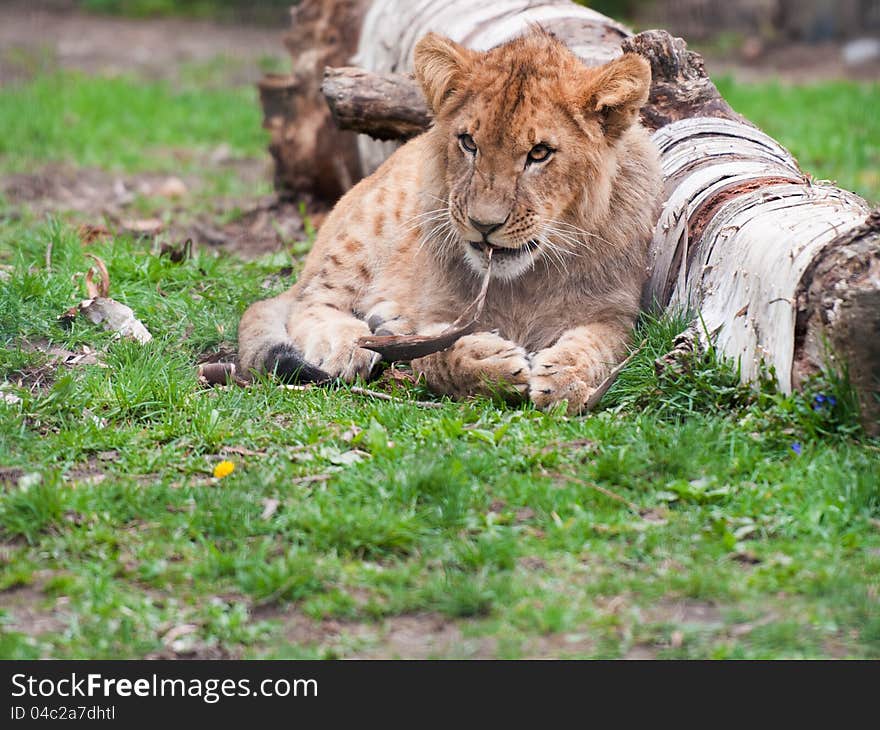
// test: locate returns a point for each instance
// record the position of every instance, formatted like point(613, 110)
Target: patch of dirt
point(35, 39)
point(9, 475)
point(269, 225)
point(26, 612)
point(790, 62)
point(38, 378)
point(427, 636)
point(89, 473)
point(101, 198)
point(641, 652)
point(682, 611)
point(412, 636)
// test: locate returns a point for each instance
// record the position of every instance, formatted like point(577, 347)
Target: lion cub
point(532, 155)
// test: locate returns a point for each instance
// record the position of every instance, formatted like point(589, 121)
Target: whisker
point(577, 230)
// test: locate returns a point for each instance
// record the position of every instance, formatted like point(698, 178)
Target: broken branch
point(396, 348)
point(384, 106)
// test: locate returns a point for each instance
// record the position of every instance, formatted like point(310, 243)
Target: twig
point(603, 387)
point(607, 492)
point(221, 373)
point(384, 396)
point(396, 348)
point(241, 451)
point(49, 256)
point(311, 478)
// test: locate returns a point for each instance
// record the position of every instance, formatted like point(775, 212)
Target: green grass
point(833, 128)
point(125, 124)
point(690, 517)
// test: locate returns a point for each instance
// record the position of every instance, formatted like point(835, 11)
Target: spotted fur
point(532, 154)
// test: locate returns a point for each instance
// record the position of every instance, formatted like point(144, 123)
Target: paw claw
point(552, 383)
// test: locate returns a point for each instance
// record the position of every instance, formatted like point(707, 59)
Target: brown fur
point(401, 251)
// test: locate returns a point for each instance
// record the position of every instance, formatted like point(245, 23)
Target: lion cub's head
point(532, 142)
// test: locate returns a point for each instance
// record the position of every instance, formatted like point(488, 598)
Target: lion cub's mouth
point(503, 251)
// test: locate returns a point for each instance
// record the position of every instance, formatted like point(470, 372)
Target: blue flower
point(821, 401)
point(797, 448)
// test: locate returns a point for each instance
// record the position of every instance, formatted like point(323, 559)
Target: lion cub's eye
point(539, 153)
point(467, 143)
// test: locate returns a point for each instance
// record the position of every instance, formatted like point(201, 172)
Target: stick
point(311, 478)
point(384, 396)
point(221, 373)
point(603, 387)
point(385, 106)
point(607, 492)
point(394, 348)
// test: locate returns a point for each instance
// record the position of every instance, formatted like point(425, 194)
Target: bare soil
point(30, 611)
point(102, 198)
point(34, 39)
point(790, 62)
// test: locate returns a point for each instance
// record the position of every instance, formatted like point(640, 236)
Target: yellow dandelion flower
point(224, 469)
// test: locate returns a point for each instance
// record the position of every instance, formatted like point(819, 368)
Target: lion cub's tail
point(265, 347)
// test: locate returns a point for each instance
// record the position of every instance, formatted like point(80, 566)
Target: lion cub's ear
point(440, 66)
point(617, 91)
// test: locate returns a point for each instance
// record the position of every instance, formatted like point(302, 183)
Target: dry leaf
point(173, 634)
point(350, 433)
point(89, 233)
point(102, 288)
point(270, 507)
point(177, 253)
point(143, 227)
point(100, 309)
point(9, 398)
point(115, 317)
point(172, 187)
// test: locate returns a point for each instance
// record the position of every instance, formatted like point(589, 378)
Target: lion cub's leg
point(327, 335)
point(571, 369)
point(386, 318)
point(483, 363)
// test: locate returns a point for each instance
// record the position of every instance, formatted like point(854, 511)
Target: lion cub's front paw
point(479, 364)
point(334, 349)
point(385, 318)
point(552, 383)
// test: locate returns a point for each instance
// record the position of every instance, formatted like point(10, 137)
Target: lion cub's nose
point(485, 228)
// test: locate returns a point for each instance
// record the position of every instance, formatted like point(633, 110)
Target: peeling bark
point(838, 314)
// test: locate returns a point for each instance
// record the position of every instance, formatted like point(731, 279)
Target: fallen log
point(309, 153)
point(783, 271)
point(382, 106)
